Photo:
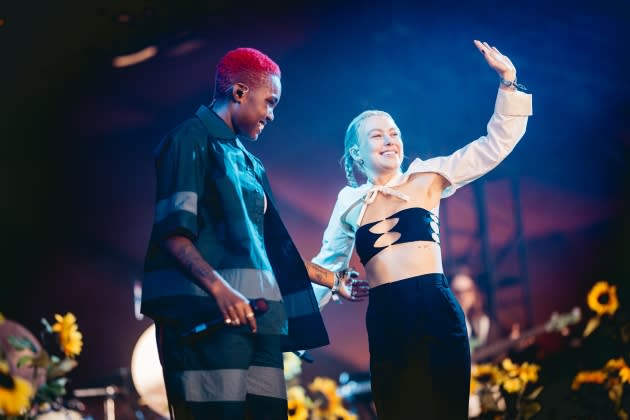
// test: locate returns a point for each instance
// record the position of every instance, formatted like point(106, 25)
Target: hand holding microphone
point(256, 307)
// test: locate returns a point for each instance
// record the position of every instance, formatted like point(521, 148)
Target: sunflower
point(340, 413)
point(486, 374)
point(528, 372)
point(70, 339)
point(588, 377)
point(616, 364)
point(513, 385)
point(15, 393)
point(509, 366)
point(474, 385)
point(298, 404)
point(326, 388)
point(602, 298)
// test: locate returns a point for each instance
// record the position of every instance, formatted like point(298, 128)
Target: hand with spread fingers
point(351, 288)
point(497, 61)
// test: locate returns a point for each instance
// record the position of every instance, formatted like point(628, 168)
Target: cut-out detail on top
point(411, 224)
point(384, 225)
point(387, 239)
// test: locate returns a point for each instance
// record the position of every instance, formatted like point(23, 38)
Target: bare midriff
point(409, 259)
point(402, 261)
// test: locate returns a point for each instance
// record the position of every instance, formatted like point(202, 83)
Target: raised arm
point(505, 128)
point(501, 64)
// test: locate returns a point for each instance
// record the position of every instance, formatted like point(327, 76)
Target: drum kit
point(150, 403)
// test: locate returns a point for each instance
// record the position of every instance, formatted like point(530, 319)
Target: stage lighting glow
point(186, 47)
point(123, 18)
point(134, 58)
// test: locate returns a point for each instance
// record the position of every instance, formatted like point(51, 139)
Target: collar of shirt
point(216, 127)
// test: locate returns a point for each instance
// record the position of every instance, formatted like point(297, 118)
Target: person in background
point(482, 329)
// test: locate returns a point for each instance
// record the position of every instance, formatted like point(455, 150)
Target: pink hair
point(243, 65)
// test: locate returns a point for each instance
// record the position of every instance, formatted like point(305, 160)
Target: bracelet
point(512, 83)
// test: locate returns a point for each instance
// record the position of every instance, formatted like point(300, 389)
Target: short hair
point(243, 65)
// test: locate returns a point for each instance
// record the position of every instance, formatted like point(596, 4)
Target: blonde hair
point(352, 139)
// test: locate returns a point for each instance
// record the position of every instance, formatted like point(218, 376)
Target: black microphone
point(259, 307)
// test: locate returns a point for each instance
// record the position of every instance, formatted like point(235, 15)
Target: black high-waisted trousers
point(419, 351)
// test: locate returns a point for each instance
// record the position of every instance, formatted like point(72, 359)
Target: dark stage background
point(77, 135)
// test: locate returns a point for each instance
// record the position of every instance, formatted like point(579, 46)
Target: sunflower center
point(6, 381)
point(484, 377)
point(604, 298)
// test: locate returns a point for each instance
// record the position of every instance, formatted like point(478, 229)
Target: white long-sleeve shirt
point(504, 130)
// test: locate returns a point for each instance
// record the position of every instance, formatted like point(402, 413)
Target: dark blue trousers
point(419, 351)
point(227, 374)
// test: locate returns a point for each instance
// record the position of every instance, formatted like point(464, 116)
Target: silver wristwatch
point(512, 83)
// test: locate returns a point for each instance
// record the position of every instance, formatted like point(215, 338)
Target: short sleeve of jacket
point(180, 164)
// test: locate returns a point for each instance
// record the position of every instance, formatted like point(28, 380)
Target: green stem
point(518, 402)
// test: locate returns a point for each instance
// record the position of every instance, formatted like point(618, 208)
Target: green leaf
point(56, 389)
point(51, 391)
point(530, 409)
point(535, 393)
point(591, 326)
point(24, 360)
point(21, 343)
point(61, 381)
point(48, 327)
point(61, 368)
point(43, 395)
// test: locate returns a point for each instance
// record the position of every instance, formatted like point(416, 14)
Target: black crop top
point(408, 225)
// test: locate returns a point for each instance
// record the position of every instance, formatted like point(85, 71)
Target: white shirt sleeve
point(337, 246)
point(505, 128)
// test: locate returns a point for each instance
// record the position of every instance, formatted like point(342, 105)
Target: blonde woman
point(419, 351)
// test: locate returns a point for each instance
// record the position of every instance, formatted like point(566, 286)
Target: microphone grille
point(260, 306)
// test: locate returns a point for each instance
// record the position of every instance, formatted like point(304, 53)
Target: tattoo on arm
point(189, 257)
point(319, 274)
